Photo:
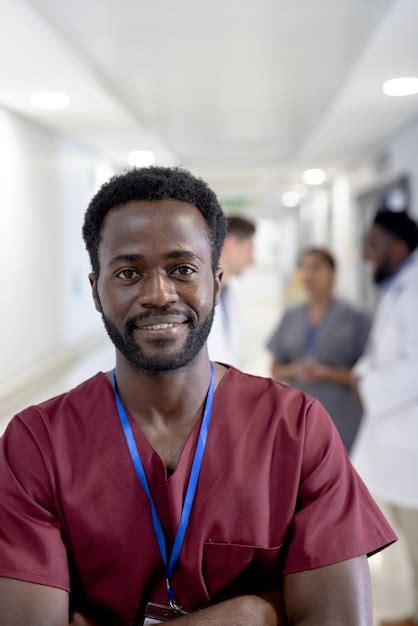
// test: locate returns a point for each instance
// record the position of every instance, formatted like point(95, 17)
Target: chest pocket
point(230, 569)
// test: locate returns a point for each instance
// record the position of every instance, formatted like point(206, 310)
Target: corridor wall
point(46, 182)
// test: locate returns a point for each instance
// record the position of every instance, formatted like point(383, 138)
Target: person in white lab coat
point(386, 450)
point(225, 338)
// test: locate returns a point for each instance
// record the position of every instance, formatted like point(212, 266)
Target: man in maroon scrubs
point(103, 511)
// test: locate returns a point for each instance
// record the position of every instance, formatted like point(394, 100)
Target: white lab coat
point(225, 338)
point(386, 449)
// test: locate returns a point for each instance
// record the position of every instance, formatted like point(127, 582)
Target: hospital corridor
point(295, 260)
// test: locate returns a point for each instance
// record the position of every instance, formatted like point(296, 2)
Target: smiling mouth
point(161, 326)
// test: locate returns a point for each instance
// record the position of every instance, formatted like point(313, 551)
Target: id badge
point(159, 613)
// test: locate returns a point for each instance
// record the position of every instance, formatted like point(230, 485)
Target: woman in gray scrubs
point(317, 343)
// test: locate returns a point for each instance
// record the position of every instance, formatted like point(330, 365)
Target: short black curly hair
point(153, 183)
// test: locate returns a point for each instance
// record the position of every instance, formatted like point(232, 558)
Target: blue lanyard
point(171, 563)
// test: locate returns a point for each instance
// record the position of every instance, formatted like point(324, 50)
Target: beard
point(159, 361)
point(383, 272)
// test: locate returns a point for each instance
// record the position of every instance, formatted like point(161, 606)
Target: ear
point(402, 250)
point(94, 291)
point(218, 284)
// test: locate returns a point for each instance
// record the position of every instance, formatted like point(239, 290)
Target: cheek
point(326, 279)
point(201, 296)
point(115, 302)
point(250, 254)
point(369, 255)
point(203, 300)
point(308, 278)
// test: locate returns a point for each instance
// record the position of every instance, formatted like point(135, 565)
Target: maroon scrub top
point(277, 494)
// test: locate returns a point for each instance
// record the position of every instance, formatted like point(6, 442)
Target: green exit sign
point(231, 204)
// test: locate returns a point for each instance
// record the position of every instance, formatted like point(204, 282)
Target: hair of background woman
point(324, 254)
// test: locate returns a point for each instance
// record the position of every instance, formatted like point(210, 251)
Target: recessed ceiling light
point(314, 176)
point(401, 86)
point(290, 198)
point(141, 158)
point(50, 100)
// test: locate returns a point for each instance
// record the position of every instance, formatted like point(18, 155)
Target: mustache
point(133, 322)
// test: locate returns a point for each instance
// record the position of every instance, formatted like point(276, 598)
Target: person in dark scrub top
point(317, 343)
point(174, 488)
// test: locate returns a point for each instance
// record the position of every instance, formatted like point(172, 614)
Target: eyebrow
point(132, 258)
point(173, 254)
point(182, 254)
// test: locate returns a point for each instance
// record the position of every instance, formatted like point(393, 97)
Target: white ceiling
point(233, 86)
point(361, 116)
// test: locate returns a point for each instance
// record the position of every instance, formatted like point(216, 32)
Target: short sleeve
point(277, 344)
point(336, 518)
point(32, 547)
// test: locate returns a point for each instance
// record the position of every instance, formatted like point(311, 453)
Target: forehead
point(378, 237)
point(313, 261)
point(246, 241)
point(378, 232)
point(152, 226)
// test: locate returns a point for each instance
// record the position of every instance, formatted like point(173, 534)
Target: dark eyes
point(130, 274)
point(184, 270)
point(127, 274)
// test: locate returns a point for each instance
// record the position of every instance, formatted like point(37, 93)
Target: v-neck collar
point(154, 465)
point(321, 328)
point(229, 424)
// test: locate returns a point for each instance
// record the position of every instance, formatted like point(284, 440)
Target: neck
point(165, 397)
point(320, 300)
point(318, 305)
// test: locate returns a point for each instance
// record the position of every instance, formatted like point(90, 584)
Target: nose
point(157, 290)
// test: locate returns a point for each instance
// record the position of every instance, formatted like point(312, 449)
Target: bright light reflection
point(290, 198)
point(314, 176)
point(50, 100)
point(405, 86)
point(141, 158)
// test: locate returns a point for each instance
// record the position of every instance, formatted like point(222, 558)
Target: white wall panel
point(45, 184)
